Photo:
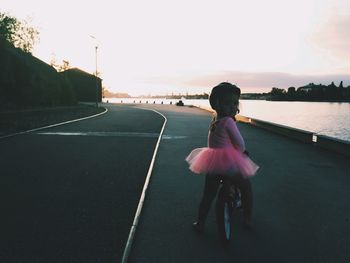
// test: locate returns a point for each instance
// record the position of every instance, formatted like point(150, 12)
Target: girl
point(225, 155)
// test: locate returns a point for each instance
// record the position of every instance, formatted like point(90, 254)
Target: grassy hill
point(27, 82)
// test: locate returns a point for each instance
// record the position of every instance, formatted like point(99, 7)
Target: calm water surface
point(326, 118)
point(332, 119)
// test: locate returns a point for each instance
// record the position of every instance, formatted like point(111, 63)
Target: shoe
point(239, 204)
point(198, 227)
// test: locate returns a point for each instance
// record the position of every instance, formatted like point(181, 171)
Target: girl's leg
point(247, 198)
point(210, 189)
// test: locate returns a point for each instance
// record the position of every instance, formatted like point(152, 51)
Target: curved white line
point(132, 232)
point(53, 125)
point(102, 134)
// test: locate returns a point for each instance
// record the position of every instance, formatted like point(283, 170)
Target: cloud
point(265, 79)
point(334, 36)
point(247, 81)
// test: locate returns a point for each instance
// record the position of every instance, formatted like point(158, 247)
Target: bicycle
point(227, 203)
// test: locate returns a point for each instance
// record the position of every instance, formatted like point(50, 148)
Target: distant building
point(84, 85)
point(306, 89)
point(26, 81)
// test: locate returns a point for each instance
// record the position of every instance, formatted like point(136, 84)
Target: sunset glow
point(159, 47)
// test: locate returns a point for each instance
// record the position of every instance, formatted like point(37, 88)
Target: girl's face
point(229, 105)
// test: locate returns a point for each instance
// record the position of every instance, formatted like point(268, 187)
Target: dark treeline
point(181, 96)
point(311, 92)
point(110, 94)
point(26, 81)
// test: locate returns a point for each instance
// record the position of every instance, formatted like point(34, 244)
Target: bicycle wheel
point(224, 217)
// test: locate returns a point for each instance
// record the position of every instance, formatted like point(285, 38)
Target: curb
point(132, 232)
point(53, 125)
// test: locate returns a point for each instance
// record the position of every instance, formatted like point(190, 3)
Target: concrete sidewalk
point(301, 194)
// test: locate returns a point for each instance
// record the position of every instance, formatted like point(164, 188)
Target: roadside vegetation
point(26, 81)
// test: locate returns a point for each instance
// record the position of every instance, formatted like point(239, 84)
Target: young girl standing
point(225, 155)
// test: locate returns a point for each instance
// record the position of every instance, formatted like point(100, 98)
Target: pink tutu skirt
point(223, 161)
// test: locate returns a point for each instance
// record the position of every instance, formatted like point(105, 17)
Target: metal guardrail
point(298, 134)
point(325, 142)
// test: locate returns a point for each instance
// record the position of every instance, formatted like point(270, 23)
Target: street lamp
point(96, 47)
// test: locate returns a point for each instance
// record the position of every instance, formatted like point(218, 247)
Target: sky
point(188, 46)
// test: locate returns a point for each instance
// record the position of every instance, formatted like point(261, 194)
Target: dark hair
point(219, 92)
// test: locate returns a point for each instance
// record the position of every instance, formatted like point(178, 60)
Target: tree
point(60, 68)
point(65, 66)
point(291, 93)
point(19, 33)
point(291, 90)
point(53, 62)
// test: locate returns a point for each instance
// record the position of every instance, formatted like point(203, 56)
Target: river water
point(326, 118)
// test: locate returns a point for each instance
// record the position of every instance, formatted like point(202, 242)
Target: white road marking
point(135, 223)
point(53, 125)
point(170, 137)
point(113, 134)
point(102, 134)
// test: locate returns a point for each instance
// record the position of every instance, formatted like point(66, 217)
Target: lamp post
point(96, 47)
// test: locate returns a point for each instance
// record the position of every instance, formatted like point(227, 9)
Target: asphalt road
point(301, 201)
point(69, 194)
